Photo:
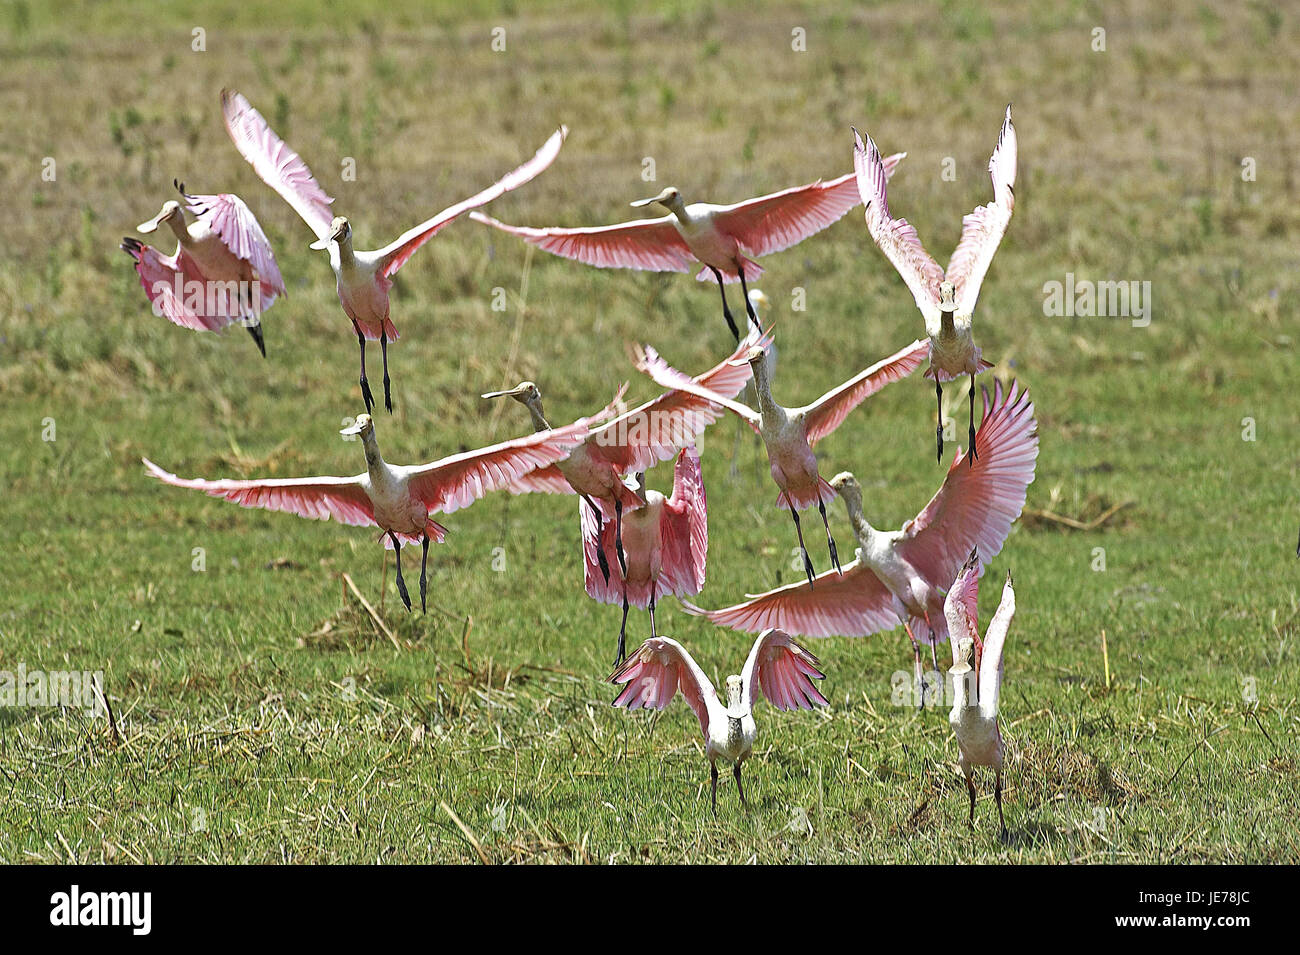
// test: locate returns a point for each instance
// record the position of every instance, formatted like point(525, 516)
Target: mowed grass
point(263, 717)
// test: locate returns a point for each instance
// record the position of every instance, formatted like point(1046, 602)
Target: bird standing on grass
point(363, 279)
point(223, 270)
point(721, 237)
point(946, 299)
point(778, 667)
point(977, 678)
point(901, 576)
point(790, 433)
point(400, 500)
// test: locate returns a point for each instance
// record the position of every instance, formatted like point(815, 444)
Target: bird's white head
point(947, 296)
point(364, 426)
point(340, 232)
point(171, 210)
point(735, 692)
point(525, 393)
point(758, 298)
point(847, 487)
point(670, 198)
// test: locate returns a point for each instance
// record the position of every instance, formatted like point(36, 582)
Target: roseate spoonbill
point(634, 441)
point(665, 542)
point(363, 278)
point(946, 299)
point(721, 238)
point(780, 668)
point(899, 576)
point(977, 678)
point(790, 433)
point(762, 305)
point(220, 259)
point(398, 499)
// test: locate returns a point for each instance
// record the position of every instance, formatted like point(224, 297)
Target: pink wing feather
point(829, 411)
point(684, 529)
point(279, 166)
point(227, 215)
point(982, 230)
point(649, 244)
point(158, 275)
point(457, 481)
point(394, 255)
point(961, 605)
point(770, 223)
point(657, 430)
point(975, 507)
point(856, 604)
point(316, 498)
point(895, 237)
point(654, 673)
point(785, 672)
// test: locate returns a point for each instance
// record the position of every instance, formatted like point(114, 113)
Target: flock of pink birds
point(641, 544)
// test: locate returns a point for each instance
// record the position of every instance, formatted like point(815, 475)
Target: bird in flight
point(946, 298)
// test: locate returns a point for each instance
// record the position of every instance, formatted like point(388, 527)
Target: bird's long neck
point(677, 208)
point(963, 700)
point(179, 229)
point(539, 419)
point(347, 258)
point(374, 460)
point(862, 528)
point(946, 327)
point(767, 405)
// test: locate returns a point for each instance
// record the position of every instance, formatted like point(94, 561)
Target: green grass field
point(262, 717)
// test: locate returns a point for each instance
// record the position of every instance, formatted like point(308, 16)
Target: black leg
point(424, 564)
point(618, 537)
point(735, 771)
point(835, 555)
point(970, 432)
point(997, 796)
point(401, 584)
point(365, 385)
point(601, 559)
point(726, 312)
point(713, 772)
point(383, 347)
point(938, 432)
point(653, 631)
point(749, 306)
point(807, 563)
point(622, 631)
point(934, 659)
point(256, 331)
point(970, 790)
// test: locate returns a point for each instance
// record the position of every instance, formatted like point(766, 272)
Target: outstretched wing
point(982, 230)
point(162, 277)
point(319, 498)
point(961, 605)
point(279, 166)
point(994, 642)
point(684, 529)
point(975, 506)
point(657, 430)
point(650, 244)
point(829, 411)
point(895, 237)
point(777, 221)
point(785, 672)
point(656, 671)
point(394, 255)
point(454, 482)
point(856, 604)
point(228, 216)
